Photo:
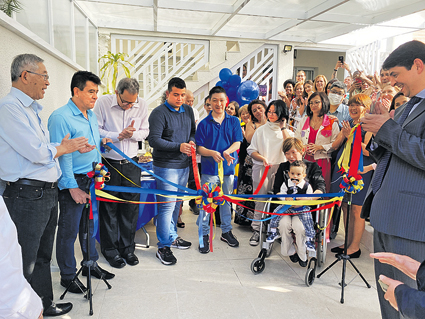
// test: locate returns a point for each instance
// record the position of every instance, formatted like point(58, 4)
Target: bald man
point(189, 101)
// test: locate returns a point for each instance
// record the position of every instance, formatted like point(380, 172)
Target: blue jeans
point(225, 212)
point(168, 213)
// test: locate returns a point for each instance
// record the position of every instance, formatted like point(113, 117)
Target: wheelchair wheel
point(310, 276)
point(269, 250)
point(257, 266)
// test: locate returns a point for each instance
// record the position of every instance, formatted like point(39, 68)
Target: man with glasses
point(30, 168)
point(337, 108)
point(122, 117)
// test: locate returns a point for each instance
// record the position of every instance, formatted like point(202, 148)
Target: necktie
point(385, 159)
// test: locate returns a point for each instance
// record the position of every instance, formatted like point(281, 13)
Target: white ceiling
point(312, 21)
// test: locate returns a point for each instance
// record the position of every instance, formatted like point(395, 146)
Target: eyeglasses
point(315, 102)
point(207, 105)
point(270, 112)
point(126, 103)
point(45, 76)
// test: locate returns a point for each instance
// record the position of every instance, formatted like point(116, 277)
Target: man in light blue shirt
point(30, 169)
point(77, 118)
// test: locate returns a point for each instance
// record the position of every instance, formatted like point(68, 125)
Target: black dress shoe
point(131, 259)
point(294, 258)
point(337, 250)
point(77, 287)
point(57, 309)
point(106, 274)
point(353, 255)
point(116, 262)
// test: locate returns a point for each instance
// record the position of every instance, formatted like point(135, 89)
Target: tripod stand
point(86, 261)
point(344, 257)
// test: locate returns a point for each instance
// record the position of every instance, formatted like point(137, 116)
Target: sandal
point(181, 225)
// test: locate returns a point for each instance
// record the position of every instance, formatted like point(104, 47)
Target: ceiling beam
point(341, 31)
point(238, 6)
point(195, 6)
point(400, 12)
point(309, 15)
point(138, 3)
point(155, 15)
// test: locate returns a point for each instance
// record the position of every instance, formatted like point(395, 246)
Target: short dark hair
point(280, 108)
point(288, 81)
point(338, 84)
point(256, 101)
point(206, 99)
point(325, 103)
point(176, 83)
point(80, 79)
point(298, 163)
point(405, 54)
point(215, 90)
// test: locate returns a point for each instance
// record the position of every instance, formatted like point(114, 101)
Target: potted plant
point(9, 6)
point(111, 64)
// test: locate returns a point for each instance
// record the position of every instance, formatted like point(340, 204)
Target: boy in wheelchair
point(295, 184)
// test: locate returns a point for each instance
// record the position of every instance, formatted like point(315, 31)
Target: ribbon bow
point(99, 174)
point(351, 184)
point(212, 196)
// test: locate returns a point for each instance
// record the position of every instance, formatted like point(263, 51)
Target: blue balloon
point(235, 80)
point(226, 85)
point(225, 74)
point(231, 93)
point(248, 91)
point(219, 83)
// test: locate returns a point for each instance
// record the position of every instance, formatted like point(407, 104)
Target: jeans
point(168, 213)
point(225, 212)
point(34, 211)
point(70, 224)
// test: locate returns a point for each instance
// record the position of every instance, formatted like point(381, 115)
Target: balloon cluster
point(236, 90)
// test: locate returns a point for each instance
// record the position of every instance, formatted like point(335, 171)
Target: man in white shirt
point(123, 117)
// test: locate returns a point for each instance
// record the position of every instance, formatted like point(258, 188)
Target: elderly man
point(77, 118)
point(30, 168)
point(172, 134)
point(396, 198)
point(122, 117)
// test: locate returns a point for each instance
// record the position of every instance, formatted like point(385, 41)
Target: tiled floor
point(221, 285)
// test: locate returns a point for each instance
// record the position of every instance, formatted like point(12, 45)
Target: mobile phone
point(383, 285)
point(341, 59)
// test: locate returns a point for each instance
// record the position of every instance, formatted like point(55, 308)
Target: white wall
point(324, 61)
point(16, 40)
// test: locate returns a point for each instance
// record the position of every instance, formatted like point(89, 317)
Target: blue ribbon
point(188, 190)
point(94, 207)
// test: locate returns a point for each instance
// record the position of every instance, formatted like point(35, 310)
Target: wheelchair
point(316, 260)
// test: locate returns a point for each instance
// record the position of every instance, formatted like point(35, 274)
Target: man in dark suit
point(396, 196)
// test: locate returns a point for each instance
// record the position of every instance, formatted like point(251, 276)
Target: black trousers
point(118, 221)
point(34, 210)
